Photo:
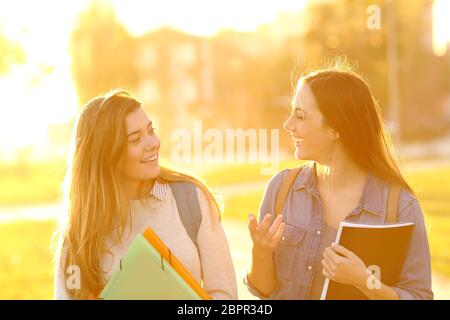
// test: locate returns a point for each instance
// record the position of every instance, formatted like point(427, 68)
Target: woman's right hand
point(264, 236)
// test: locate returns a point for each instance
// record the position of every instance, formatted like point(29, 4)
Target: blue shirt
point(297, 255)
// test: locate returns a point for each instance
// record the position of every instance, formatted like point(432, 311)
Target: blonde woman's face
point(312, 139)
point(142, 152)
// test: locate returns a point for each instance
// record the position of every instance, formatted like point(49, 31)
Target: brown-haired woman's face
point(142, 152)
point(312, 138)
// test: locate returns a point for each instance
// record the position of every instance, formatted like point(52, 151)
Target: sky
point(41, 92)
point(201, 17)
point(441, 25)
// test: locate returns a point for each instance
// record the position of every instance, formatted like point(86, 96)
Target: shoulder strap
point(392, 203)
point(185, 194)
point(289, 178)
point(285, 186)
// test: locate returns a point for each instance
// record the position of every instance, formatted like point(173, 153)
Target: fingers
point(275, 226)
point(269, 237)
point(332, 257)
point(327, 274)
point(342, 251)
point(252, 224)
point(266, 234)
point(329, 267)
point(264, 225)
point(328, 264)
point(278, 235)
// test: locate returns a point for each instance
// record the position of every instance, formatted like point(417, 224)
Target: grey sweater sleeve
point(218, 272)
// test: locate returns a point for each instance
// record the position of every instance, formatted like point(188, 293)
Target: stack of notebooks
point(150, 271)
point(383, 246)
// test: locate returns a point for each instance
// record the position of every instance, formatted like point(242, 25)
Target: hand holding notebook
point(380, 247)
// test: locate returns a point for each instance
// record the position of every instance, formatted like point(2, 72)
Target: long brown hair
point(349, 107)
point(95, 198)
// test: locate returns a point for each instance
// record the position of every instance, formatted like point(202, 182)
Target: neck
point(340, 172)
point(133, 188)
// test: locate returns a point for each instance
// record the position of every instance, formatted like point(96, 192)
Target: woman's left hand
point(343, 266)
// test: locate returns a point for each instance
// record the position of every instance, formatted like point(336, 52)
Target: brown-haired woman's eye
point(300, 116)
point(136, 140)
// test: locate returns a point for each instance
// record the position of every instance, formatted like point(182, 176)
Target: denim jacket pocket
point(285, 253)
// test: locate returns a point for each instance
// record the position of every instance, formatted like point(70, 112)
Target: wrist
point(361, 280)
point(261, 255)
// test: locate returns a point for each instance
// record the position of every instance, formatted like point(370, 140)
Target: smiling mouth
point(150, 159)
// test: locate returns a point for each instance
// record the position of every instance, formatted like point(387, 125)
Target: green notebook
point(144, 274)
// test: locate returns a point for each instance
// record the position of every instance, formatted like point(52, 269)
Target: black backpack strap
point(185, 194)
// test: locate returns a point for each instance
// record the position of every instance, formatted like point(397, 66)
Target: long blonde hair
point(95, 198)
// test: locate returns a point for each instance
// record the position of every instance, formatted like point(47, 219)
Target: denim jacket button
point(309, 267)
point(318, 231)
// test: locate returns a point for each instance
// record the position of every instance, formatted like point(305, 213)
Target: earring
point(335, 133)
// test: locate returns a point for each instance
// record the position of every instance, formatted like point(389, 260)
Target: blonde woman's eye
point(136, 140)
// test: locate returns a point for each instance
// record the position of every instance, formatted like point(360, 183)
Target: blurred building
point(245, 80)
point(174, 75)
point(220, 81)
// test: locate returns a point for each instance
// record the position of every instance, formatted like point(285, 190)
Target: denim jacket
point(296, 255)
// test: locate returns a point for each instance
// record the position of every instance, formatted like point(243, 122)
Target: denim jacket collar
point(371, 200)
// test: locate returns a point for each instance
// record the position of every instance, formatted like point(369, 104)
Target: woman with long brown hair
point(115, 189)
point(336, 124)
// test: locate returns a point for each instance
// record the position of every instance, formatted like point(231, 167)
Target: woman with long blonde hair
point(115, 189)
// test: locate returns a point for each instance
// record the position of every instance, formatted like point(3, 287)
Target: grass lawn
point(433, 190)
point(30, 184)
point(33, 184)
point(26, 270)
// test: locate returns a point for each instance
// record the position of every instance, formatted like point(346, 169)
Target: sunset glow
point(42, 89)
